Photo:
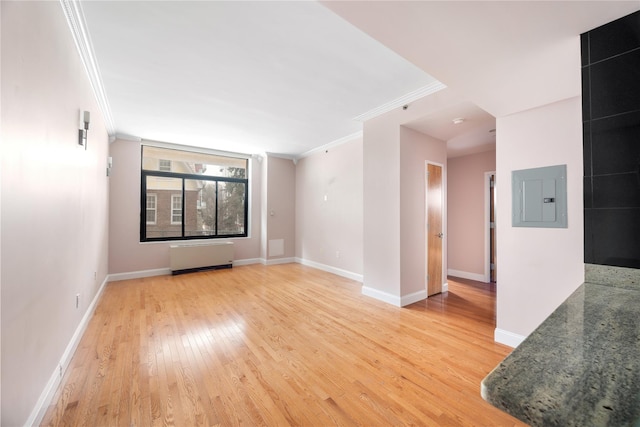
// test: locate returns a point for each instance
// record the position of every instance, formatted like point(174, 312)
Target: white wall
point(381, 210)
point(280, 209)
point(415, 149)
point(264, 219)
point(538, 267)
point(329, 232)
point(466, 213)
point(126, 254)
point(54, 201)
point(394, 203)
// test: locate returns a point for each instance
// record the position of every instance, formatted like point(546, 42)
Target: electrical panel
point(540, 197)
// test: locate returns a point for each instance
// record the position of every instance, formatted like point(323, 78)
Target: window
point(176, 209)
point(151, 209)
point(189, 195)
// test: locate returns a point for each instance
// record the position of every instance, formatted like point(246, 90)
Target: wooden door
point(434, 229)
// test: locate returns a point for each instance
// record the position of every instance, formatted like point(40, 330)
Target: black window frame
point(185, 176)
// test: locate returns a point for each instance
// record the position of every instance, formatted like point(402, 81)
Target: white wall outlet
point(337, 254)
point(77, 300)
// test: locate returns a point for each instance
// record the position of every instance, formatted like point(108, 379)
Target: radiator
point(186, 258)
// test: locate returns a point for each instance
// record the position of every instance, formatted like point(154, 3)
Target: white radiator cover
point(193, 257)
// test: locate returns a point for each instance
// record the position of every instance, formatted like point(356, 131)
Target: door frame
point(443, 221)
point(487, 227)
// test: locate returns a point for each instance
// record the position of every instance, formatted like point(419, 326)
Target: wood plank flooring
point(280, 345)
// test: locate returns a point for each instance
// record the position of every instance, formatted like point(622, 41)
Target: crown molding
point(332, 144)
point(75, 18)
point(126, 137)
point(403, 100)
point(285, 156)
point(280, 155)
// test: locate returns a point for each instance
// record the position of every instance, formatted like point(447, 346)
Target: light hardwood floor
point(280, 345)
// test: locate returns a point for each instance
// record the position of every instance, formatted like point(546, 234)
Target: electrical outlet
point(337, 254)
point(77, 300)
point(95, 276)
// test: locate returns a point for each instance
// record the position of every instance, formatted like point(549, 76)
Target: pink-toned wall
point(466, 213)
point(415, 150)
point(381, 210)
point(329, 231)
point(394, 205)
point(280, 207)
point(126, 253)
point(264, 218)
point(538, 267)
point(54, 202)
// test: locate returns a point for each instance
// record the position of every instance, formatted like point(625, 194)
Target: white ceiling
point(505, 56)
point(283, 77)
point(288, 77)
point(473, 135)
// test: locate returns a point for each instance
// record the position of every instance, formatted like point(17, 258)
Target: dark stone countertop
point(580, 367)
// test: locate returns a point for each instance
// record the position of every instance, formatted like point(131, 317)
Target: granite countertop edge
point(581, 366)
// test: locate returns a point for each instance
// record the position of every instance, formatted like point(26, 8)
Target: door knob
point(440, 235)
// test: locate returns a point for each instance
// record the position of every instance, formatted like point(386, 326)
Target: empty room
point(320, 213)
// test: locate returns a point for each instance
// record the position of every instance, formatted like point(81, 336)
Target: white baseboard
point(277, 261)
point(329, 269)
point(138, 274)
point(414, 297)
point(240, 262)
point(382, 296)
point(248, 261)
point(167, 271)
point(507, 338)
point(466, 275)
point(393, 299)
point(38, 412)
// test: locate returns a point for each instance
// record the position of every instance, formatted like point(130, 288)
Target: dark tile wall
point(611, 131)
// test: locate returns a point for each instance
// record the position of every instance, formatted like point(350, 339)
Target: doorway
point(491, 260)
point(434, 208)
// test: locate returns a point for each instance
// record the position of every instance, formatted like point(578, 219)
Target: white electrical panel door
point(540, 197)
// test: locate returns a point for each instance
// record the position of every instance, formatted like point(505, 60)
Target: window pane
point(200, 208)
point(176, 209)
point(178, 161)
point(187, 195)
point(164, 225)
point(231, 208)
point(151, 208)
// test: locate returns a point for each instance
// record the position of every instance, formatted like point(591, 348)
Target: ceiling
point(282, 77)
point(505, 56)
point(288, 77)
